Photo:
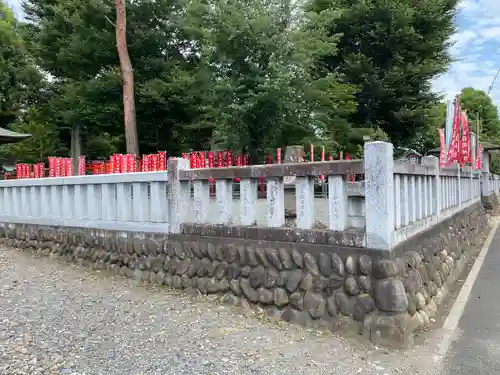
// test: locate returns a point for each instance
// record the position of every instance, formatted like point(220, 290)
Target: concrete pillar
point(25, 208)
point(466, 185)
point(66, 202)
point(158, 203)
point(201, 201)
point(304, 201)
point(337, 203)
point(404, 198)
point(224, 196)
point(412, 184)
point(275, 203)
point(14, 208)
point(55, 204)
point(420, 195)
point(435, 185)
point(35, 200)
point(485, 185)
point(123, 202)
point(248, 202)
point(107, 201)
point(379, 194)
point(425, 200)
point(178, 194)
point(139, 200)
point(45, 193)
point(485, 161)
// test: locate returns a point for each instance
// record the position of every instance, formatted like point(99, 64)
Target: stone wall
point(491, 203)
point(368, 292)
point(421, 272)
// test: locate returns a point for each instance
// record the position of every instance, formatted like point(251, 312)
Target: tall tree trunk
point(128, 79)
point(76, 146)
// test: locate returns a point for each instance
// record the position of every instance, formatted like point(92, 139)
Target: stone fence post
point(379, 194)
point(485, 185)
point(433, 161)
point(178, 194)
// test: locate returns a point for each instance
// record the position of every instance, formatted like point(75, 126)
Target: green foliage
point(250, 75)
point(41, 144)
point(477, 102)
point(391, 50)
point(100, 147)
point(19, 79)
point(427, 137)
point(480, 106)
point(74, 41)
point(261, 75)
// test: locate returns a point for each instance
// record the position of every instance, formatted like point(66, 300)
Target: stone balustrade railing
point(275, 176)
point(396, 200)
point(134, 201)
point(425, 195)
point(399, 199)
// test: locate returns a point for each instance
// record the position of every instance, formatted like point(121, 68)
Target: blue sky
point(476, 49)
point(16, 5)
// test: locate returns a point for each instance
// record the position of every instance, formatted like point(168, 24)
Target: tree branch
point(111, 22)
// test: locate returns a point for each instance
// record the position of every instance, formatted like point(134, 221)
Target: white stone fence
point(399, 199)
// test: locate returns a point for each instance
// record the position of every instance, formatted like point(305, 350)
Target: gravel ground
point(57, 318)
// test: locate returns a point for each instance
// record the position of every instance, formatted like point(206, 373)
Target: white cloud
point(462, 39)
point(477, 45)
point(490, 32)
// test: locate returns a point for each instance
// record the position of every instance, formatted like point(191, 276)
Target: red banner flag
point(479, 156)
point(229, 159)
point(203, 160)
point(192, 160)
point(455, 151)
point(68, 167)
point(220, 160)
point(211, 159)
point(81, 165)
point(466, 154)
point(162, 160)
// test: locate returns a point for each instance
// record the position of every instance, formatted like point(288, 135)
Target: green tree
point(39, 146)
point(391, 50)
point(264, 93)
point(19, 78)
point(74, 41)
point(427, 137)
point(478, 103)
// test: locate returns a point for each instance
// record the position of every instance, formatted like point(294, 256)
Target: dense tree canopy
point(82, 57)
point(478, 103)
point(479, 106)
point(391, 50)
point(19, 79)
point(263, 90)
point(249, 75)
